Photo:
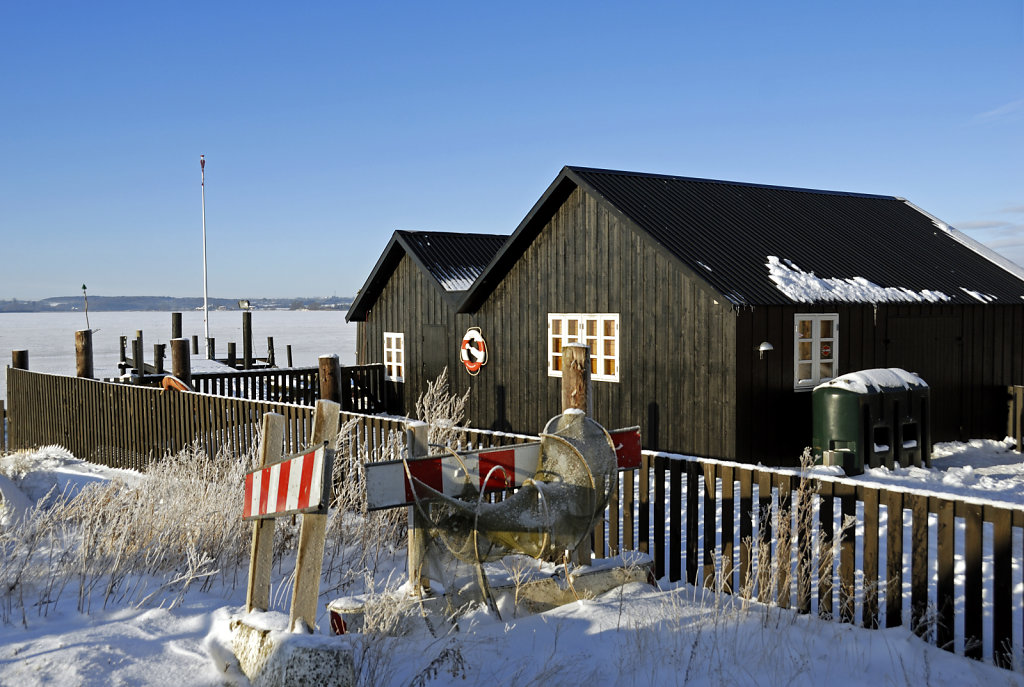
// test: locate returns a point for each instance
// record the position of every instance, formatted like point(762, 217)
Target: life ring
point(174, 384)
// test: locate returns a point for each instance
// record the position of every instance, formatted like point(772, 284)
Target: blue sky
point(326, 126)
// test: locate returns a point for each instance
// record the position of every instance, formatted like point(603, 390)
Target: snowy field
point(167, 626)
point(50, 337)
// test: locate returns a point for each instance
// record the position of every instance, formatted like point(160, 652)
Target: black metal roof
point(453, 262)
point(849, 247)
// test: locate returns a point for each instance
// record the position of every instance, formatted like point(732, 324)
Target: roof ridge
point(726, 182)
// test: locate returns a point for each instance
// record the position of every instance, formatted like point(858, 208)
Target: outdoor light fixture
point(765, 346)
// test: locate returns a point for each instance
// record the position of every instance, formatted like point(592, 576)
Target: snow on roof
point(805, 287)
point(983, 297)
point(873, 381)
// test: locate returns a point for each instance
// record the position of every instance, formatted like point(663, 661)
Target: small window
point(394, 356)
point(816, 349)
point(598, 331)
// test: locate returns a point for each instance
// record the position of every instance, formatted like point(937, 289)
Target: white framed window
point(394, 356)
point(598, 331)
point(815, 349)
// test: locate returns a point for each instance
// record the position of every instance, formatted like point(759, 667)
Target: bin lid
point(875, 381)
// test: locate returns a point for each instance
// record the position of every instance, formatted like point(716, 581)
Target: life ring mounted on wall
point(473, 351)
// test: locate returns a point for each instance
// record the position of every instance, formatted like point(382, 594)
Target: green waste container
point(874, 418)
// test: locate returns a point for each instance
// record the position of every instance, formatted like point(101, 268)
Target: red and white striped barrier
point(297, 484)
point(501, 468)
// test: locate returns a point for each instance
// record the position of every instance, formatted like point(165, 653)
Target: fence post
point(19, 359)
point(181, 363)
point(83, 353)
point(175, 325)
point(247, 339)
point(330, 376)
point(312, 531)
point(416, 441)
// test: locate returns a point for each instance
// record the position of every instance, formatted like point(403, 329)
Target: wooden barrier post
point(181, 363)
point(247, 340)
point(330, 376)
point(576, 395)
point(175, 325)
point(261, 556)
point(83, 354)
point(416, 441)
point(312, 531)
point(19, 359)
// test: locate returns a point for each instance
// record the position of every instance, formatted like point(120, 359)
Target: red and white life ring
point(473, 350)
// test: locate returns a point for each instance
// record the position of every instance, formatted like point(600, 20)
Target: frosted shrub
point(442, 411)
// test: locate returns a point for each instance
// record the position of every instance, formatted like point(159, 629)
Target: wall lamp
point(763, 348)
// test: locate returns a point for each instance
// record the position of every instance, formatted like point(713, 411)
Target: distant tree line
point(169, 304)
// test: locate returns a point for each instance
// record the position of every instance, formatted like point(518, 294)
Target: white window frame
point(604, 347)
point(394, 356)
point(816, 360)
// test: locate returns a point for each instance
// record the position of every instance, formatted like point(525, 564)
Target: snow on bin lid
point(874, 381)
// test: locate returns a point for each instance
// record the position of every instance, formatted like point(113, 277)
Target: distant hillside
point(168, 304)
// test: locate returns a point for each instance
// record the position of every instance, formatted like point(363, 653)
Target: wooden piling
point(19, 359)
point(289, 356)
point(232, 355)
point(247, 340)
point(122, 361)
point(195, 344)
point(138, 354)
point(83, 354)
point(181, 363)
point(330, 378)
point(159, 353)
point(270, 352)
point(576, 377)
point(211, 346)
point(175, 325)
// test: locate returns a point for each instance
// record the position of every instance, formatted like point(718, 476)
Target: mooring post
point(122, 361)
point(211, 345)
point(140, 358)
point(416, 440)
point(289, 349)
point(181, 362)
point(232, 357)
point(313, 531)
point(330, 377)
point(195, 344)
point(19, 359)
point(247, 339)
point(159, 353)
point(83, 353)
point(261, 555)
point(175, 325)
point(576, 396)
point(270, 352)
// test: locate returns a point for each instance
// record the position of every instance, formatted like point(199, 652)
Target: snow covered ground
point(174, 634)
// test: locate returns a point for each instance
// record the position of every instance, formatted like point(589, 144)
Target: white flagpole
point(206, 303)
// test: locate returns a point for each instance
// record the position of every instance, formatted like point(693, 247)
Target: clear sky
point(328, 125)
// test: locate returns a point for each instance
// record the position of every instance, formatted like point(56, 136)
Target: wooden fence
point(768, 533)
point(362, 386)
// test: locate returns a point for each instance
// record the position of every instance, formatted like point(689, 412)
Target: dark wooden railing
point(774, 535)
point(279, 385)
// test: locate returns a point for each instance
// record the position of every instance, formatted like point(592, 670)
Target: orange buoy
point(174, 384)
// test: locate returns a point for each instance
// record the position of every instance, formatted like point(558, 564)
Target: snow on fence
point(949, 568)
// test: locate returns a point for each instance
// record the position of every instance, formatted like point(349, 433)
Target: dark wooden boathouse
point(712, 309)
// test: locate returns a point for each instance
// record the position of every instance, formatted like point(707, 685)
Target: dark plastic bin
point(874, 418)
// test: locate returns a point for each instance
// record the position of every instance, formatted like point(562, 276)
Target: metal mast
point(206, 302)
